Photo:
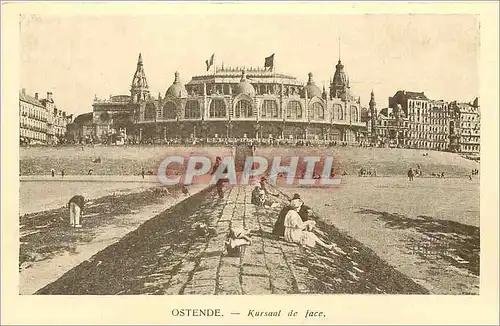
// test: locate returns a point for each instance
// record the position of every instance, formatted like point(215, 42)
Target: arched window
point(354, 113)
point(243, 109)
point(150, 112)
point(170, 110)
point(294, 110)
point(339, 113)
point(192, 110)
point(317, 111)
point(269, 109)
point(217, 109)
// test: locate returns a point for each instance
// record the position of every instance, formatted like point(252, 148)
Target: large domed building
point(241, 103)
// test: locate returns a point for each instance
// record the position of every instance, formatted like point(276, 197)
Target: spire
point(176, 79)
point(243, 75)
point(310, 81)
point(339, 47)
point(372, 100)
point(140, 88)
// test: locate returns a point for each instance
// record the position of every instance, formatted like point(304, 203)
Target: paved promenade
point(164, 256)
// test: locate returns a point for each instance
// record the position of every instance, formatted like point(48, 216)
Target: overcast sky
point(80, 56)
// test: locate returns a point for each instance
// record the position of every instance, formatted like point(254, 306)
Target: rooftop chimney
point(23, 91)
point(36, 96)
point(49, 96)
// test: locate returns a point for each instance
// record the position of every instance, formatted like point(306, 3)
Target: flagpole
point(274, 69)
point(214, 68)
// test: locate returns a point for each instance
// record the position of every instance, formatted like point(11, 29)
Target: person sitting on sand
point(238, 238)
point(273, 195)
point(258, 196)
point(305, 213)
point(299, 232)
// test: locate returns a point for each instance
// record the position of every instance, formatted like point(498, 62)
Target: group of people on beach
point(53, 173)
point(294, 222)
point(412, 172)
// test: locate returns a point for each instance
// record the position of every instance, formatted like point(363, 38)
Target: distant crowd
point(264, 142)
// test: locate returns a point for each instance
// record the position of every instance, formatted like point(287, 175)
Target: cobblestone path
point(164, 256)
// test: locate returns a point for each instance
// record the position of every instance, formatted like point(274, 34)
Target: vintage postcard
point(254, 163)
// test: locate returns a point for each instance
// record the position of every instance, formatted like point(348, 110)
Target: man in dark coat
point(219, 185)
point(410, 174)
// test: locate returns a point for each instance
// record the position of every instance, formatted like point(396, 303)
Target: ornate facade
point(40, 121)
point(239, 103)
point(466, 127)
point(414, 121)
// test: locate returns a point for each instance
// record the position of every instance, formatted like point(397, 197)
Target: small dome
point(244, 87)
point(311, 88)
point(177, 89)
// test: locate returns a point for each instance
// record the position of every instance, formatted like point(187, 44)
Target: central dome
point(177, 89)
point(244, 87)
point(311, 89)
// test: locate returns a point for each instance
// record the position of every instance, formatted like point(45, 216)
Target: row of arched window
point(244, 109)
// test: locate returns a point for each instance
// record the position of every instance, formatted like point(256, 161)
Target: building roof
point(311, 88)
point(116, 99)
point(244, 86)
point(230, 75)
point(84, 118)
point(177, 89)
point(414, 95)
point(29, 99)
point(384, 112)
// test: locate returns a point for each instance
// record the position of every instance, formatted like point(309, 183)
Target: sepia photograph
point(249, 153)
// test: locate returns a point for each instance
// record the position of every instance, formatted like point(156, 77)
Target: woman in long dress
point(297, 231)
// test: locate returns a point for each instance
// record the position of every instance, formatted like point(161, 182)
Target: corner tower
point(139, 90)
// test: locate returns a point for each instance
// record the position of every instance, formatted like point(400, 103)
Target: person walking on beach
point(142, 173)
point(75, 206)
point(53, 172)
point(62, 173)
point(410, 174)
point(219, 184)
